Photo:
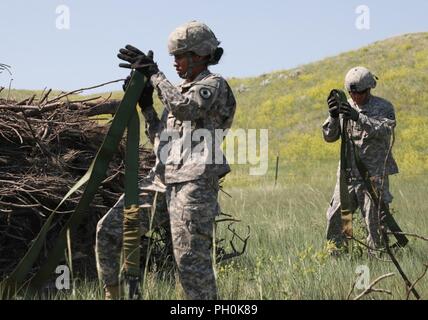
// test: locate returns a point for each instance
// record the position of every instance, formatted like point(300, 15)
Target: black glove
point(333, 106)
point(349, 113)
point(138, 60)
point(146, 97)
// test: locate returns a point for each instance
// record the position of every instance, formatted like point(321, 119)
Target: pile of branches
point(46, 146)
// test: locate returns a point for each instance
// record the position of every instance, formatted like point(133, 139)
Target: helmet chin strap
point(190, 66)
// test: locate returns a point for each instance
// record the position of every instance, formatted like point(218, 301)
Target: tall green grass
point(287, 255)
point(288, 258)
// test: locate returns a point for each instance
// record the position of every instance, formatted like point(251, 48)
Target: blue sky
point(258, 36)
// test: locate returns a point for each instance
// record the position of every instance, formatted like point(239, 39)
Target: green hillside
point(291, 104)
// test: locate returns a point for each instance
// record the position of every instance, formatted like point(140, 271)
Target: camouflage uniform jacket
point(205, 103)
point(371, 134)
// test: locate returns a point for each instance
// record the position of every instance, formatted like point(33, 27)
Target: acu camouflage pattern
point(193, 207)
point(372, 136)
point(206, 103)
point(359, 198)
point(192, 182)
point(109, 236)
point(194, 37)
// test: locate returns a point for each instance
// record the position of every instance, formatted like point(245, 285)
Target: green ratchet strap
point(131, 217)
point(345, 198)
point(126, 116)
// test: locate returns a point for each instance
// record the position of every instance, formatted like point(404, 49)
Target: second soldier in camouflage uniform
point(191, 162)
point(371, 125)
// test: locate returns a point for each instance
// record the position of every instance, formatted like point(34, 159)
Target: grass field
point(287, 255)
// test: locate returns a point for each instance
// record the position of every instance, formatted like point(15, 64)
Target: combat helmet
point(194, 37)
point(359, 79)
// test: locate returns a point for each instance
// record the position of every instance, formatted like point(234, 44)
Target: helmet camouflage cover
point(359, 79)
point(194, 37)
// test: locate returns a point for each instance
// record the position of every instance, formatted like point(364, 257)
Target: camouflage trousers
point(193, 207)
point(109, 236)
point(360, 198)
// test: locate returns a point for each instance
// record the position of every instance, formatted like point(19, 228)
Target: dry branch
point(44, 150)
point(409, 290)
point(394, 260)
point(4, 67)
point(371, 288)
point(45, 147)
point(410, 235)
point(77, 91)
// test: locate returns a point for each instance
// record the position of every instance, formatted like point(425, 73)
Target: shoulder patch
point(205, 93)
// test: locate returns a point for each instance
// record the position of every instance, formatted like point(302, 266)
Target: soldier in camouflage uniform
point(186, 138)
point(371, 126)
point(153, 213)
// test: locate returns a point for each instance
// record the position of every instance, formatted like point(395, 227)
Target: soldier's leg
point(337, 224)
point(371, 212)
point(108, 244)
point(109, 235)
point(193, 207)
point(158, 216)
point(153, 190)
point(334, 220)
point(383, 187)
point(155, 217)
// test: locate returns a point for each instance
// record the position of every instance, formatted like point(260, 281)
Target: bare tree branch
point(414, 283)
point(351, 291)
point(409, 234)
point(363, 244)
point(83, 89)
point(4, 67)
point(397, 265)
point(45, 96)
point(371, 288)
